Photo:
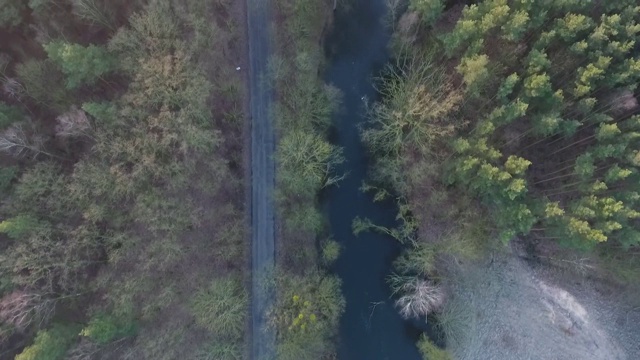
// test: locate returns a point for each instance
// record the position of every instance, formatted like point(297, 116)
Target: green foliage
point(415, 113)
point(330, 251)
point(105, 328)
point(429, 10)
point(41, 189)
point(306, 163)
point(19, 226)
point(221, 351)
point(474, 70)
point(9, 115)
point(506, 88)
point(305, 216)
point(39, 6)
point(419, 260)
point(7, 175)
point(50, 344)
point(104, 112)
point(153, 32)
point(41, 80)
point(306, 315)
point(106, 221)
point(221, 308)
point(538, 85)
point(11, 13)
point(81, 65)
point(516, 26)
point(430, 351)
point(163, 214)
point(549, 91)
point(571, 25)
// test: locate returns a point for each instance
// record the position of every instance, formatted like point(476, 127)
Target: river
point(370, 328)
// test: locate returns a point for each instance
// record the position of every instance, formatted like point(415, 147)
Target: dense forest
point(509, 121)
point(122, 204)
point(123, 232)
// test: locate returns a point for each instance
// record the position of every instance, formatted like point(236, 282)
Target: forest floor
point(509, 308)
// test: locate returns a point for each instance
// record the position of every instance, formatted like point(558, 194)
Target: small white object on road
point(238, 68)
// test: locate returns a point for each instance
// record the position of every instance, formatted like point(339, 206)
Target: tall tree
point(81, 65)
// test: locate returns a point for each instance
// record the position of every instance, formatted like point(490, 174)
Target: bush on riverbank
point(308, 301)
point(306, 315)
point(430, 351)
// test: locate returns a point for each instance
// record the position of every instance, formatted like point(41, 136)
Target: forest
point(509, 121)
point(122, 198)
point(123, 178)
point(123, 226)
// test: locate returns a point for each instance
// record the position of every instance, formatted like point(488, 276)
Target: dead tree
point(73, 123)
point(17, 142)
point(23, 309)
point(418, 298)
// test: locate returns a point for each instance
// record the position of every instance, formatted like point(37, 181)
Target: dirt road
point(262, 178)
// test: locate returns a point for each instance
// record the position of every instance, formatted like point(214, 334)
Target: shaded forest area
point(121, 179)
point(509, 121)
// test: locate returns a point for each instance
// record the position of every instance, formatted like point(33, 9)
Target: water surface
point(370, 328)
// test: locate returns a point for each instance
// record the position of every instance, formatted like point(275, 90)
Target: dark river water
point(370, 329)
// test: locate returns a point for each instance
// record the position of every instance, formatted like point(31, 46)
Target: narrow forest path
point(262, 178)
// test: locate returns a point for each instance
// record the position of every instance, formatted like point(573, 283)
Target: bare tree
point(73, 123)
point(12, 87)
point(84, 350)
point(23, 308)
point(17, 142)
point(93, 12)
point(418, 298)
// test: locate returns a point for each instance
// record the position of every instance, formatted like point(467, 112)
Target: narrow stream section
point(370, 328)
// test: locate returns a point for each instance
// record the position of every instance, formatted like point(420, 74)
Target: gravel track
point(262, 178)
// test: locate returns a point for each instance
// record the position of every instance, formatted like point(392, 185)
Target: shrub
point(105, 328)
point(306, 163)
point(19, 226)
point(41, 80)
point(222, 307)
point(221, 351)
point(9, 115)
point(430, 10)
point(7, 174)
point(430, 351)
point(306, 315)
point(303, 216)
point(11, 13)
point(330, 251)
point(81, 65)
point(50, 344)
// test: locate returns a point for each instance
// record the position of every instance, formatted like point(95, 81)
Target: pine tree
point(429, 10)
point(81, 65)
point(555, 95)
